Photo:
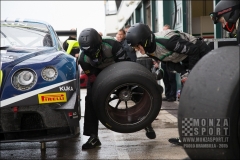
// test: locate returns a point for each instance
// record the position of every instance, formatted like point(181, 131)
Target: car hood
point(13, 56)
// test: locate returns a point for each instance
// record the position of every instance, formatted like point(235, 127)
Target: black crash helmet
point(228, 9)
point(90, 42)
point(138, 33)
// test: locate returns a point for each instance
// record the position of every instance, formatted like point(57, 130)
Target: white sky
point(62, 15)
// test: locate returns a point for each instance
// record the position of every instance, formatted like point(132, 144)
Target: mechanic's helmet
point(47, 40)
point(229, 10)
point(139, 33)
point(90, 42)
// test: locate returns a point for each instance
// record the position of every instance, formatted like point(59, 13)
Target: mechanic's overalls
point(179, 51)
point(111, 53)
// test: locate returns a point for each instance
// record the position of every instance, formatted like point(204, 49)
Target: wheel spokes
point(126, 105)
point(119, 101)
point(113, 98)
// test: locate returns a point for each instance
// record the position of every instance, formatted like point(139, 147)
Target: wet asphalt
point(114, 145)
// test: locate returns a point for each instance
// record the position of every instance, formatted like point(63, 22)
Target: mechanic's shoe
point(92, 142)
point(172, 99)
point(175, 141)
point(150, 133)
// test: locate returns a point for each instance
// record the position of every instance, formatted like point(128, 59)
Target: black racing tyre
point(209, 114)
point(126, 97)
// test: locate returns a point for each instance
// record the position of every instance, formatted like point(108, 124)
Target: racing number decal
point(52, 97)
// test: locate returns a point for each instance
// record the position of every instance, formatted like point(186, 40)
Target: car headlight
point(24, 79)
point(49, 73)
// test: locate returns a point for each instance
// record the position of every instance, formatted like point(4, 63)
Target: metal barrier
point(220, 42)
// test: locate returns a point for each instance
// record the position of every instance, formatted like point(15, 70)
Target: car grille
point(31, 121)
point(31, 125)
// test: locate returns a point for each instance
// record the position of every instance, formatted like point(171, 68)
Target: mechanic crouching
point(96, 54)
point(178, 50)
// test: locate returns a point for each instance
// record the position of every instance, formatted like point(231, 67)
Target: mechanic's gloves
point(184, 76)
point(160, 74)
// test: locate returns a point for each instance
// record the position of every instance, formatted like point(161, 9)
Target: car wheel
point(126, 97)
point(209, 114)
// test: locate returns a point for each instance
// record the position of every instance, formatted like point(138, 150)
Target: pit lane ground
point(114, 145)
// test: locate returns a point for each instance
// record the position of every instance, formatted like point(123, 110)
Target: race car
point(39, 84)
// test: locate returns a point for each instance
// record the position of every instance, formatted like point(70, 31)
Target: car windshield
point(25, 34)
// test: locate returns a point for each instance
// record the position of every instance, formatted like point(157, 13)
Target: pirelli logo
point(52, 97)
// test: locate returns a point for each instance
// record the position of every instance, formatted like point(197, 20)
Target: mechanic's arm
point(181, 46)
point(88, 69)
point(119, 53)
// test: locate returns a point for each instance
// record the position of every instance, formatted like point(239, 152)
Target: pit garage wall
point(186, 21)
point(163, 13)
point(202, 27)
point(169, 14)
point(217, 28)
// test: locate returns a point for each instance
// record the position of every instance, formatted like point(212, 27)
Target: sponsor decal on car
point(52, 97)
point(75, 115)
point(66, 88)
